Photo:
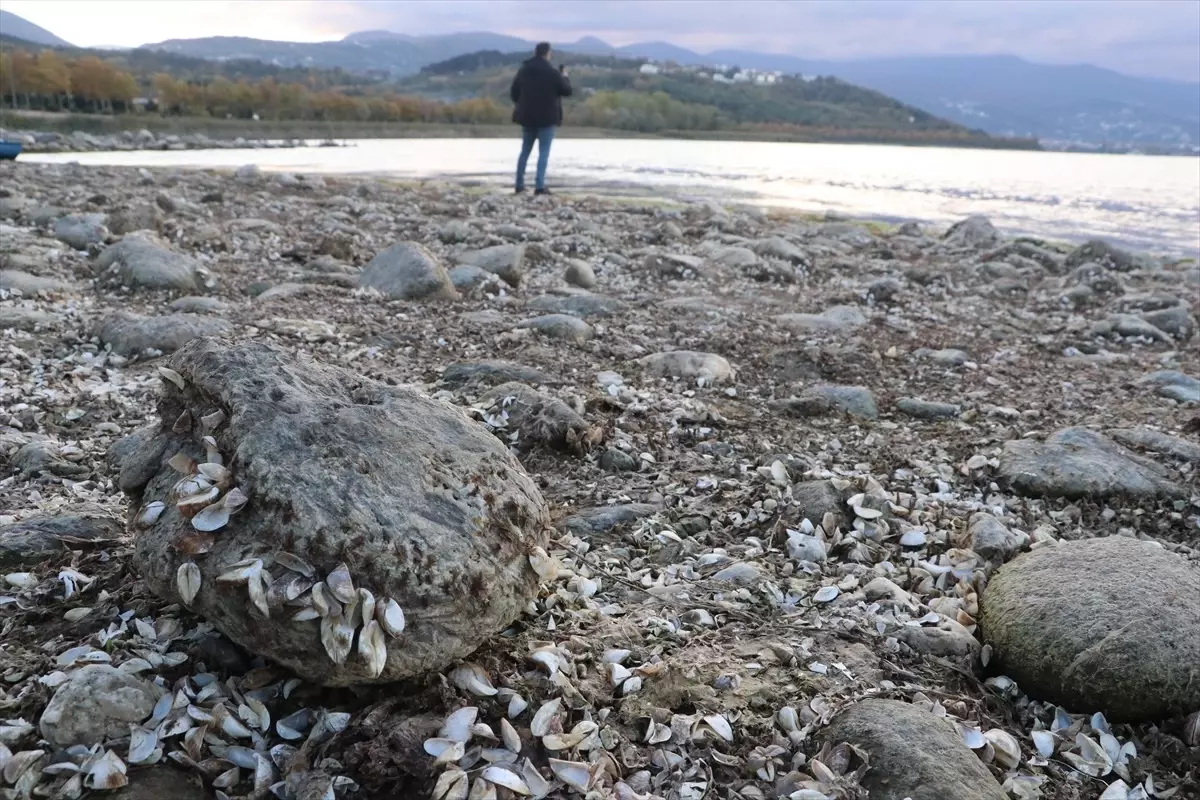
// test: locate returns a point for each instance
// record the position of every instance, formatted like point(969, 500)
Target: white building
point(649, 69)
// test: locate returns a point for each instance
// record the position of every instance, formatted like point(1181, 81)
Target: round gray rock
point(98, 702)
point(130, 335)
point(140, 262)
point(1108, 625)
point(423, 505)
point(688, 364)
point(913, 754)
point(407, 271)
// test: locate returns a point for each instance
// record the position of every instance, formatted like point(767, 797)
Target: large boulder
point(1076, 463)
point(1108, 625)
point(407, 271)
point(98, 702)
point(352, 483)
point(141, 262)
point(912, 754)
point(131, 334)
point(25, 283)
point(505, 260)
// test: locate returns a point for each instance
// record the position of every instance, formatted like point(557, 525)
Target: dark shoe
point(543, 191)
point(519, 190)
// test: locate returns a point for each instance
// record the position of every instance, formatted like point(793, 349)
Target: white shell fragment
point(574, 774)
point(340, 584)
point(473, 679)
point(373, 648)
point(168, 374)
point(187, 581)
point(390, 616)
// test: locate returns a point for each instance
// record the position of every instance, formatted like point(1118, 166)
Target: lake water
point(1145, 202)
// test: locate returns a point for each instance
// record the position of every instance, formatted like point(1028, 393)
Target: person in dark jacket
point(537, 92)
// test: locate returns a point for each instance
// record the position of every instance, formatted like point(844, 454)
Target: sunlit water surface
point(1145, 202)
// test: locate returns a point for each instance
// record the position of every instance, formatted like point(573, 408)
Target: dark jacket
point(537, 92)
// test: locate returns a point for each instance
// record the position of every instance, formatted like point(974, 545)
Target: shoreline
point(222, 130)
point(653, 193)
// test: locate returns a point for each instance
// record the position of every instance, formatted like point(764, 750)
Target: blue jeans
point(543, 137)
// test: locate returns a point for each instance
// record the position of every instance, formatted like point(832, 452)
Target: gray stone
point(195, 304)
point(407, 271)
point(81, 230)
point(1177, 321)
point(884, 290)
point(837, 318)
point(949, 358)
point(131, 335)
point(689, 365)
point(1109, 625)
point(43, 456)
point(1101, 252)
point(740, 574)
point(604, 519)
point(491, 373)
point(26, 319)
point(1150, 439)
point(782, 249)
point(1077, 463)
point(926, 409)
point(563, 327)
point(455, 231)
point(973, 232)
point(676, 266)
point(36, 539)
point(23, 282)
point(814, 499)
point(539, 419)
point(98, 702)
point(990, 538)
point(140, 262)
point(616, 460)
point(912, 754)
point(422, 504)
point(469, 279)
point(1174, 385)
point(142, 217)
point(580, 304)
point(948, 640)
point(733, 258)
point(580, 273)
point(505, 260)
point(1128, 325)
point(816, 401)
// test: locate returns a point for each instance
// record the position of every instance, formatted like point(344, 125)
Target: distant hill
point(21, 28)
point(1003, 95)
point(616, 92)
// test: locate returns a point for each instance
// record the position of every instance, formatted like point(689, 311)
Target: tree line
point(48, 81)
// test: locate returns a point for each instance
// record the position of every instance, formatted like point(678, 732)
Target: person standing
point(537, 92)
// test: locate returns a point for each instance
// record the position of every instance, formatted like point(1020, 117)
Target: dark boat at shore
point(9, 150)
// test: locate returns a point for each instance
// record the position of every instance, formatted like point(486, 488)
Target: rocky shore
point(325, 487)
point(80, 142)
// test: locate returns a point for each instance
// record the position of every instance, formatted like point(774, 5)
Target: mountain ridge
point(21, 28)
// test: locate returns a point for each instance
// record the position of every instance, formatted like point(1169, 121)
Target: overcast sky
point(1145, 37)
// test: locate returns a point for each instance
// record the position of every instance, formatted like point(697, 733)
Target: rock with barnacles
point(1108, 625)
point(913, 754)
point(689, 365)
point(537, 418)
point(351, 531)
point(1076, 463)
point(97, 702)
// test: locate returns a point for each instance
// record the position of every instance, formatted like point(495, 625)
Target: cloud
point(1152, 37)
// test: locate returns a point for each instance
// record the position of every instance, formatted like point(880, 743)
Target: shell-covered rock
point(97, 703)
point(1108, 625)
point(913, 754)
point(421, 505)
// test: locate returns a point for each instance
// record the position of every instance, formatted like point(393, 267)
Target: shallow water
point(1145, 202)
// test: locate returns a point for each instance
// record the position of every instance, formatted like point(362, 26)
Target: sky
point(1158, 38)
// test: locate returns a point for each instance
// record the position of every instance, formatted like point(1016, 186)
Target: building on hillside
point(649, 69)
point(721, 77)
point(742, 77)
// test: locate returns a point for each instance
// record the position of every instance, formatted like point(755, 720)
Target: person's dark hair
point(542, 49)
